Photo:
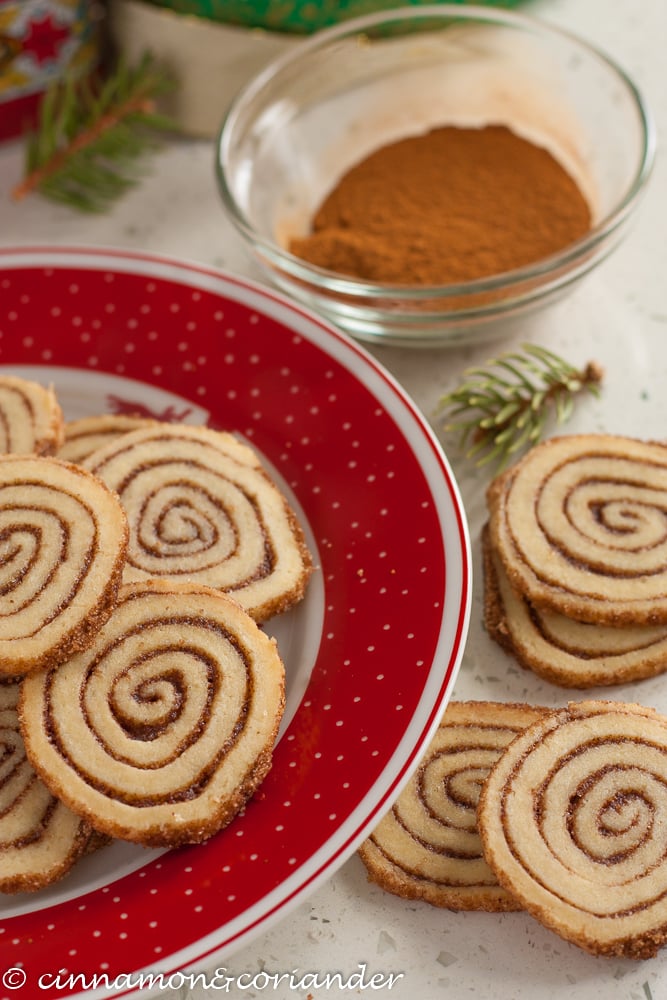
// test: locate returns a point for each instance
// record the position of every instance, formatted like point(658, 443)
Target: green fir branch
point(86, 150)
point(501, 410)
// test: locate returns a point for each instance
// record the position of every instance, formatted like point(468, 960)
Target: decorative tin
point(299, 16)
point(40, 40)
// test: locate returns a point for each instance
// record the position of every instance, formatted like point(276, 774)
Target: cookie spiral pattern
point(201, 507)
point(63, 537)
point(31, 420)
point(161, 731)
point(84, 436)
point(564, 651)
point(40, 839)
point(580, 525)
point(427, 846)
point(572, 819)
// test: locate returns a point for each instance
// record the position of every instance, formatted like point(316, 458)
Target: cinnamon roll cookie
point(427, 846)
point(162, 730)
point(63, 536)
point(564, 651)
point(40, 839)
point(84, 436)
point(201, 507)
point(572, 819)
point(580, 526)
point(31, 420)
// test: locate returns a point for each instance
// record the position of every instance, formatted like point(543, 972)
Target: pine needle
point(497, 417)
point(88, 144)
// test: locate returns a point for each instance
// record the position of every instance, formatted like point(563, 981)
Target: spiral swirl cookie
point(162, 730)
point(86, 435)
point(564, 651)
point(63, 536)
point(40, 839)
point(572, 819)
point(31, 420)
point(580, 525)
point(427, 846)
point(201, 507)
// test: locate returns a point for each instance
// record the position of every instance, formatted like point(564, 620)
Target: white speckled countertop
point(618, 317)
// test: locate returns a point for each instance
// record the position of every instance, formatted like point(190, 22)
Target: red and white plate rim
point(29, 927)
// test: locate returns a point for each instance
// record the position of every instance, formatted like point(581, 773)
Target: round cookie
point(572, 820)
point(580, 525)
point(31, 420)
point(86, 435)
point(162, 730)
point(201, 507)
point(63, 537)
point(427, 846)
point(564, 651)
point(40, 839)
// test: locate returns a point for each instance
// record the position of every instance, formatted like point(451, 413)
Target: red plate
point(371, 654)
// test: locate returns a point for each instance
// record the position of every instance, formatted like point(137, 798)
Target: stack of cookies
point(558, 812)
point(139, 697)
point(575, 560)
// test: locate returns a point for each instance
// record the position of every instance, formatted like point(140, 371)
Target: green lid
point(298, 16)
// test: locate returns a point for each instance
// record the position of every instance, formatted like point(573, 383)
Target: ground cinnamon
point(448, 206)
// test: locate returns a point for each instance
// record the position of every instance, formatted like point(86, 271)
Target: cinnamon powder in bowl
point(433, 175)
point(447, 206)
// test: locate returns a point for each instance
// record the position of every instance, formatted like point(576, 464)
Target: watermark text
point(15, 978)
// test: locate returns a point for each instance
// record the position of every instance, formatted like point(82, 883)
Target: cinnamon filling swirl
point(40, 839)
point(63, 537)
point(580, 525)
point(428, 846)
point(572, 820)
point(161, 731)
point(31, 420)
point(201, 507)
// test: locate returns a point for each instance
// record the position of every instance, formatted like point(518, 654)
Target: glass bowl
point(310, 115)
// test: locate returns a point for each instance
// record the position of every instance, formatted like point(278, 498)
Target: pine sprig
point(501, 410)
point(89, 141)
